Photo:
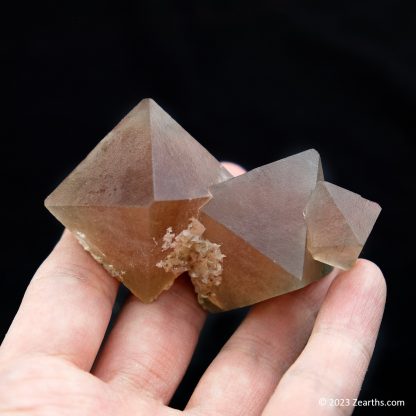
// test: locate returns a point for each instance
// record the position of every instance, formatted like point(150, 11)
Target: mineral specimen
point(146, 175)
point(257, 218)
point(339, 223)
point(150, 203)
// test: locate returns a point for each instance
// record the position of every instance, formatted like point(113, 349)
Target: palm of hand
point(287, 353)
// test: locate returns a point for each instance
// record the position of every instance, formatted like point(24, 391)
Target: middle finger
point(243, 376)
point(151, 345)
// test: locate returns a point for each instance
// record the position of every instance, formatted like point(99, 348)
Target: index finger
point(66, 308)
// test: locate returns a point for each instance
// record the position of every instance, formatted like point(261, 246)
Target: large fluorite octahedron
point(146, 175)
point(257, 218)
point(270, 231)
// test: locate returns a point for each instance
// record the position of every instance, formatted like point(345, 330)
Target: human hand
point(288, 353)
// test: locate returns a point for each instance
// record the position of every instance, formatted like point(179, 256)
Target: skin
point(287, 354)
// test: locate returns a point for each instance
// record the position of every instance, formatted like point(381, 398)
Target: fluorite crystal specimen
point(146, 175)
point(257, 218)
point(149, 203)
point(339, 223)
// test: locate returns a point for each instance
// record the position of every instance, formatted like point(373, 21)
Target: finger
point(335, 360)
point(151, 345)
point(66, 308)
point(233, 168)
point(244, 374)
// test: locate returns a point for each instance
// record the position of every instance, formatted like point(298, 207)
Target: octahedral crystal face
point(339, 223)
point(149, 203)
point(257, 219)
point(144, 176)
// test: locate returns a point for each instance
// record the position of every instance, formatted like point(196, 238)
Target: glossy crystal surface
point(339, 223)
point(257, 218)
point(149, 202)
point(146, 175)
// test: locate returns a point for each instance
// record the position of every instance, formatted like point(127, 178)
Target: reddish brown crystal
point(149, 203)
point(146, 175)
point(257, 218)
point(339, 223)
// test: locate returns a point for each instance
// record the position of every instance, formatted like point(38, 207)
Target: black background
point(253, 82)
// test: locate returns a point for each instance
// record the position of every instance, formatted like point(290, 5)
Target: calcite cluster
point(150, 203)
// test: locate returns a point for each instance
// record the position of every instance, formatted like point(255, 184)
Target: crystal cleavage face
point(149, 202)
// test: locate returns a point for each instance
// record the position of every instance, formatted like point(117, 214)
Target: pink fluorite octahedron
point(149, 202)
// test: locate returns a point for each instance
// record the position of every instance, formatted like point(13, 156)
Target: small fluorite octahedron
point(149, 202)
point(339, 223)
